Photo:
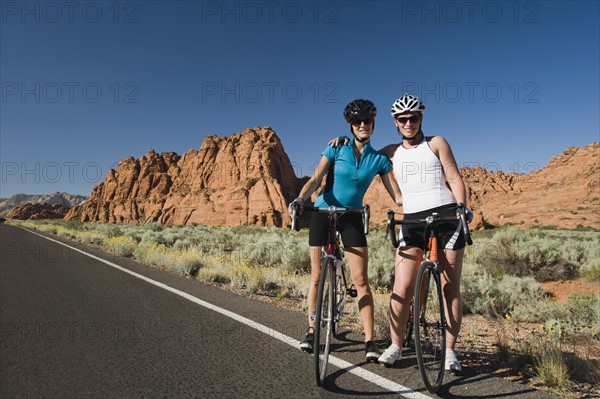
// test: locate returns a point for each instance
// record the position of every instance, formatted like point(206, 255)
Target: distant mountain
point(63, 199)
point(30, 211)
point(247, 178)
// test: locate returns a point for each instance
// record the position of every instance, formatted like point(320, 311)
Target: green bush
point(492, 296)
point(525, 254)
point(122, 246)
point(381, 261)
point(296, 257)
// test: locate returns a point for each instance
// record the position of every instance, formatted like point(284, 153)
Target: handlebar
point(463, 219)
point(332, 210)
point(429, 220)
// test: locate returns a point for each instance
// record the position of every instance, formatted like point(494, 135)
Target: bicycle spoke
point(340, 298)
point(325, 311)
point(430, 333)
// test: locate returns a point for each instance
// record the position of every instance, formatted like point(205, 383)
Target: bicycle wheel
point(430, 328)
point(324, 319)
point(340, 298)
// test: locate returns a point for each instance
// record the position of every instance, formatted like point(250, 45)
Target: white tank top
point(421, 178)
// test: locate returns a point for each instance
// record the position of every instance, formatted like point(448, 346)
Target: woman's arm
point(391, 185)
point(442, 149)
point(313, 183)
point(389, 150)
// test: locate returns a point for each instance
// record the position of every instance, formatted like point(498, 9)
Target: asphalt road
point(73, 326)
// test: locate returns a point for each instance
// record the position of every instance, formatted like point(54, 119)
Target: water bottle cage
point(352, 292)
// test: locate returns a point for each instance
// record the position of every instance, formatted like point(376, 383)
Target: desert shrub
point(264, 250)
point(212, 275)
point(153, 226)
point(550, 368)
point(579, 313)
point(186, 262)
point(381, 262)
point(122, 246)
point(295, 258)
point(492, 296)
point(521, 254)
point(248, 277)
point(217, 241)
point(182, 244)
point(109, 230)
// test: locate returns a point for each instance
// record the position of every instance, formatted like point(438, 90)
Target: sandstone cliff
point(248, 178)
point(244, 178)
point(31, 211)
point(565, 193)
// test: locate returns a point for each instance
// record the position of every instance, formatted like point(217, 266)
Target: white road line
point(346, 366)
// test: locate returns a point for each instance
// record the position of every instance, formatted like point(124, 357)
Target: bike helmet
point(359, 109)
point(407, 103)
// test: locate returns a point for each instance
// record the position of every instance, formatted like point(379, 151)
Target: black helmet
point(359, 109)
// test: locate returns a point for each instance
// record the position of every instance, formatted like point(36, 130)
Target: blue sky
point(85, 84)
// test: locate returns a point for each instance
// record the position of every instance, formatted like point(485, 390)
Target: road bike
point(333, 286)
point(427, 316)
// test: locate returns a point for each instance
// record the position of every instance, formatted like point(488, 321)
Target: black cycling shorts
point(450, 235)
point(350, 226)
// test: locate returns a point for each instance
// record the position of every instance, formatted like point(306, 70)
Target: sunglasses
point(358, 122)
point(412, 119)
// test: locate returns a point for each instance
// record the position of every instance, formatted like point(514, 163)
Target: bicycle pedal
point(352, 292)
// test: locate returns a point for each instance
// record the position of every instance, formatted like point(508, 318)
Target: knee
point(399, 299)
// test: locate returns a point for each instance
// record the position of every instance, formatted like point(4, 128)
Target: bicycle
point(427, 309)
point(333, 287)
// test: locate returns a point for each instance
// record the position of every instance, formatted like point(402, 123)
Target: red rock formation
point(244, 178)
point(31, 211)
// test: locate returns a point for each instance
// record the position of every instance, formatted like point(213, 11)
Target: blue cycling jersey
point(352, 177)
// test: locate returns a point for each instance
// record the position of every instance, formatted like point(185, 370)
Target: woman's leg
point(451, 266)
point(406, 267)
point(313, 287)
point(358, 261)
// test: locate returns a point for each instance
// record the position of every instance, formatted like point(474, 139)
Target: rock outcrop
point(31, 211)
point(246, 178)
point(565, 193)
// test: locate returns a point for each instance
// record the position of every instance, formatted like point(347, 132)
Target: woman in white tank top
point(429, 179)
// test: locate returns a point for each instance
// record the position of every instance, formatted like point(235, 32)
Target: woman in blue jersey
point(430, 181)
point(355, 166)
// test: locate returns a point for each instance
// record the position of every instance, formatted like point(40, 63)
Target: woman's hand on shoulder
point(389, 150)
point(343, 140)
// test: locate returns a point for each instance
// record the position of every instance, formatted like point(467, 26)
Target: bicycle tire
point(430, 330)
point(407, 342)
point(340, 298)
point(325, 312)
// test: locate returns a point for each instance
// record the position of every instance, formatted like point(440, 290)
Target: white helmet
point(407, 103)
